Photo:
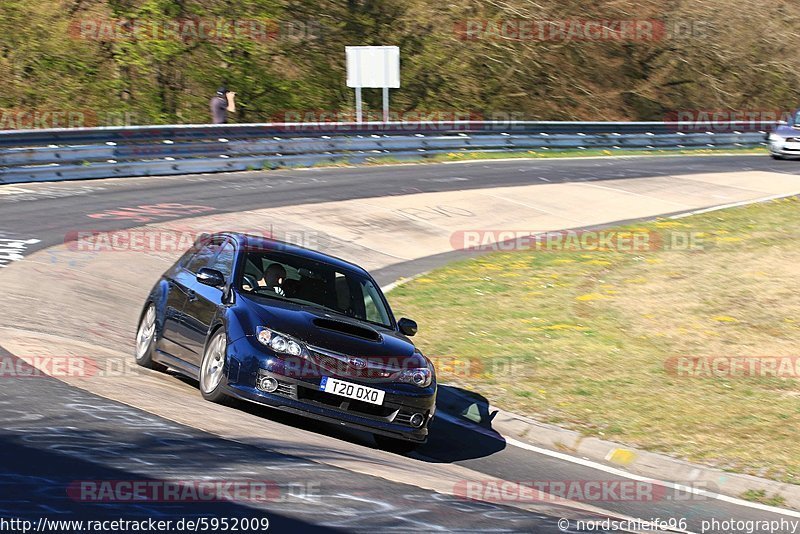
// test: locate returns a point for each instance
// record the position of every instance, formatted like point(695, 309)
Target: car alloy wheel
point(213, 364)
point(146, 335)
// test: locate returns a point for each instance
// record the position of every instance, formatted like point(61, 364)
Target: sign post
point(376, 67)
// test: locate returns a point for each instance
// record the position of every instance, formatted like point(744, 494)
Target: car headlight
point(280, 343)
point(421, 377)
point(775, 137)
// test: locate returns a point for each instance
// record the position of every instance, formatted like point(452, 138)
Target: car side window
point(224, 260)
point(202, 257)
point(373, 312)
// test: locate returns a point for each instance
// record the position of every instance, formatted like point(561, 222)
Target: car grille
point(313, 395)
point(285, 389)
point(338, 365)
point(403, 418)
point(326, 362)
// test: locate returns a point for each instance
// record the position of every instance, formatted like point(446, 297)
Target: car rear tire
point(146, 336)
point(212, 368)
point(399, 446)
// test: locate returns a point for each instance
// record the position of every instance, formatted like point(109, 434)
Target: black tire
point(212, 372)
point(775, 156)
point(146, 337)
point(399, 446)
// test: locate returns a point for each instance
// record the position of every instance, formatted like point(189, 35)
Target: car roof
point(265, 243)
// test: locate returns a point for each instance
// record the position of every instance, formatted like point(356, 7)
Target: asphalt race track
point(54, 433)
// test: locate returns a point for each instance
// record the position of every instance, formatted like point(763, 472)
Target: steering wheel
point(249, 280)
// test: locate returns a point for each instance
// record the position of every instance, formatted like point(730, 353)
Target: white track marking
point(625, 474)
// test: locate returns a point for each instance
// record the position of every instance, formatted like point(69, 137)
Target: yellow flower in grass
point(725, 319)
point(562, 326)
point(670, 224)
point(590, 296)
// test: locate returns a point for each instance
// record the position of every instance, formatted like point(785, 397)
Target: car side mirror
point(407, 326)
point(210, 277)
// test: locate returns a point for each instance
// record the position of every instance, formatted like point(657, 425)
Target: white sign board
point(373, 66)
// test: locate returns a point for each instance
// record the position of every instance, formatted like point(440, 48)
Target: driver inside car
point(273, 278)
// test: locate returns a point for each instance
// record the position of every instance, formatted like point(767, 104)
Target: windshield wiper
point(325, 308)
point(337, 312)
point(266, 295)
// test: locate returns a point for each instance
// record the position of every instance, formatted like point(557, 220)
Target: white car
point(784, 140)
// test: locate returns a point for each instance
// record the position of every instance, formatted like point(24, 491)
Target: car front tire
point(212, 368)
point(146, 340)
point(776, 156)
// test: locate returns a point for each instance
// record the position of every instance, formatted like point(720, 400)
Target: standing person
point(221, 103)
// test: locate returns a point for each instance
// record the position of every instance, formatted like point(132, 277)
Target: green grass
point(584, 339)
point(591, 152)
point(532, 154)
point(760, 496)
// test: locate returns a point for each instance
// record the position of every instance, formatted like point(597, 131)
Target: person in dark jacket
point(221, 103)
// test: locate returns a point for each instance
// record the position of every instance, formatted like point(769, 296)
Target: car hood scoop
point(348, 328)
point(318, 328)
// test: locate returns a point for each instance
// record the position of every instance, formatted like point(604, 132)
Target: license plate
point(792, 146)
point(351, 391)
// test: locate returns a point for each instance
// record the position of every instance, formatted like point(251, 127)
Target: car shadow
point(462, 428)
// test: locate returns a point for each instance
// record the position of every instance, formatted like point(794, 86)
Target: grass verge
point(541, 154)
point(589, 339)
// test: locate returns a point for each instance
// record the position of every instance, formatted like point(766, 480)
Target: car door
point(203, 303)
point(181, 289)
point(178, 286)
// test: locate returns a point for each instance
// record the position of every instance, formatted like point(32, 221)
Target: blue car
point(264, 321)
point(784, 140)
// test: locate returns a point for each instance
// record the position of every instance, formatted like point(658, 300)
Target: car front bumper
point(785, 148)
point(248, 363)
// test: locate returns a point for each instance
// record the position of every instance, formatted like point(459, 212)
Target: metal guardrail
point(80, 153)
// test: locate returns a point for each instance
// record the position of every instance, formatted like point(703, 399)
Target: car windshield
point(314, 283)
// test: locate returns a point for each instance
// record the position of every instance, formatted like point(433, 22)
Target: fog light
point(267, 384)
point(417, 420)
